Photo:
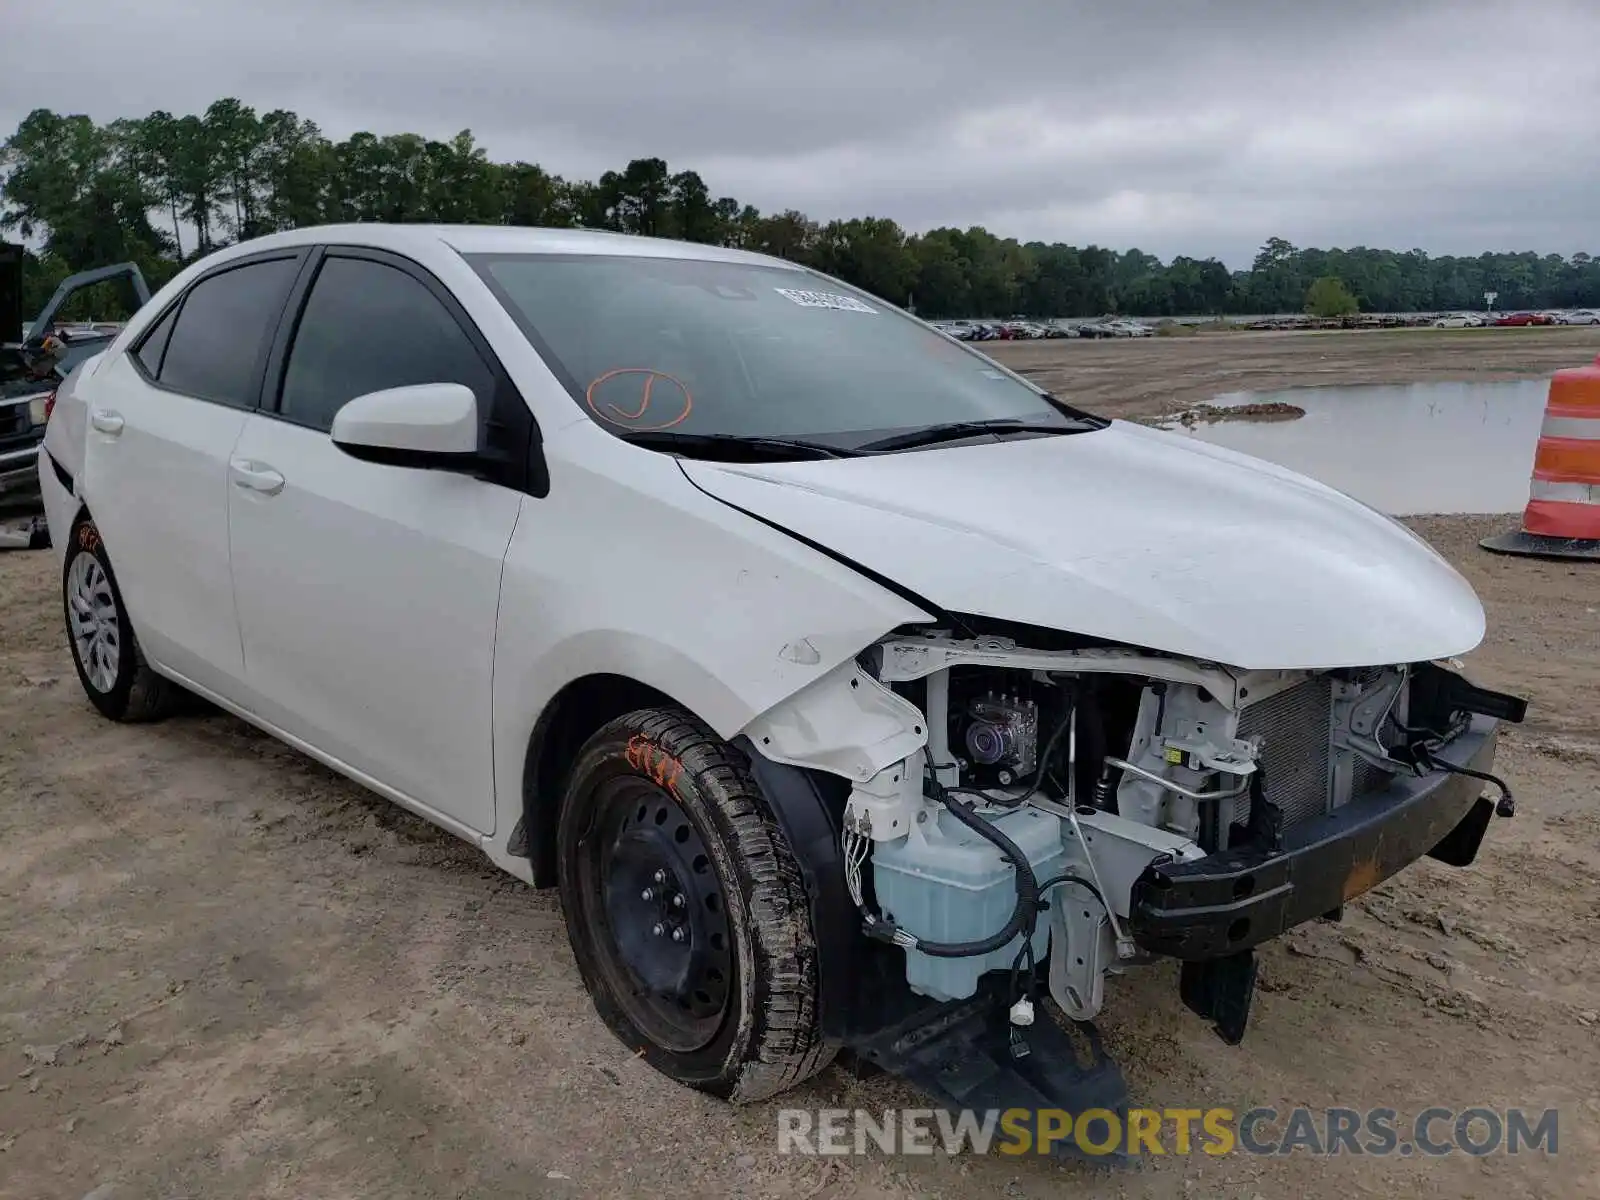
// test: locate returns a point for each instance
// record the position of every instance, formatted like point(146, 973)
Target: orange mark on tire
point(651, 761)
point(646, 396)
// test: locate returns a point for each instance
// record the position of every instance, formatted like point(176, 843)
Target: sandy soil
point(1146, 377)
point(227, 972)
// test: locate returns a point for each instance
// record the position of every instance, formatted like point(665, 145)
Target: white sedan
point(1459, 321)
point(1582, 316)
point(836, 674)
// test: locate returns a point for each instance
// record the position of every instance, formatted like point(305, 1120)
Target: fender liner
point(862, 990)
point(809, 806)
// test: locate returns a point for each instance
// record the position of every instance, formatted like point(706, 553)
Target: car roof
point(503, 239)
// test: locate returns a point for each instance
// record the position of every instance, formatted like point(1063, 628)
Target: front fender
point(626, 568)
point(845, 723)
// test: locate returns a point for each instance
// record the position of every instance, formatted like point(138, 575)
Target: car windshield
point(738, 349)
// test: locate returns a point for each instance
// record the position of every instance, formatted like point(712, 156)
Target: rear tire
point(686, 910)
point(111, 667)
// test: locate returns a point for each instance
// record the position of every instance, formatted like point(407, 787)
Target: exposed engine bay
point(1063, 794)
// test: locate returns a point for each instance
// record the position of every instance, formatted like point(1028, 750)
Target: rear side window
point(154, 345)
point(368, 326)
point(215, 347)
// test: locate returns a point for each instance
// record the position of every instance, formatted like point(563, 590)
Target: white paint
point(367, 599)
point(409, 627)
point(845, 722)
point(159, 491)
point(1132, 535)
point(431, 418)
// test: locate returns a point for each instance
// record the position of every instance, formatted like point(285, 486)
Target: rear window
point(216, 347)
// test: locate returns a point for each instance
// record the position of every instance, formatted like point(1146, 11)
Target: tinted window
point(367, 327)
point(224, 325)
point(155, 343)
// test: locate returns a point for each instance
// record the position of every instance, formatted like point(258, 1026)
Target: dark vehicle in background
point(1101, 328)
point(30, 372)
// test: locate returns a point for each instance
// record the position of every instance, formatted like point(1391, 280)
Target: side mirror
point(426, 425)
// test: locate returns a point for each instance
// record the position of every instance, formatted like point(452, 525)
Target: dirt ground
point(1147, 377)
point(226, 972)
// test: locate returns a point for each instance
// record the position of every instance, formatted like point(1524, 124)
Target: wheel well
point(568, 721)
point(81, 516)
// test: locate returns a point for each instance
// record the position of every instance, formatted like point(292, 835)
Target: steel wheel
point(95, 627)
point(687, 909)
point(662, 935)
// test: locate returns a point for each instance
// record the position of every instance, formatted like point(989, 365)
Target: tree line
point(163, 189)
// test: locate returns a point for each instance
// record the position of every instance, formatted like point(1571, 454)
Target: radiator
point(1296, 731)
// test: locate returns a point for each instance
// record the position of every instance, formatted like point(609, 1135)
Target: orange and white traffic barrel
point(1562, 519)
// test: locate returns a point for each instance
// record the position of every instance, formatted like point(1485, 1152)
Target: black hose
point(1023, 918)
point(1507, 804)
point(1040, 766)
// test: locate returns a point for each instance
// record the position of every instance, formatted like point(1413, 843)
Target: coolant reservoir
point(945, 883)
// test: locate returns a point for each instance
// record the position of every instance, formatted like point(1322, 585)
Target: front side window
point(214, 349)
point(748, 350)
point(366, 327)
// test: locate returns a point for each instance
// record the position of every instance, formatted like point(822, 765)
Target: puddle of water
point(1405, 449)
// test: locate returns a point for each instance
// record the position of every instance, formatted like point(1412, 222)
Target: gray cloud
point(1184, 126)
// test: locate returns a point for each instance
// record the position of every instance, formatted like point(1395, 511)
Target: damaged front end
point(983, 823)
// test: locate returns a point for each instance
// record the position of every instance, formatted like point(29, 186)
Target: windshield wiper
point(955, 430)
point(668, 439)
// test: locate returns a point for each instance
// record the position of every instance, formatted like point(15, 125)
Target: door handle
point(257, 477)
point(106, 421)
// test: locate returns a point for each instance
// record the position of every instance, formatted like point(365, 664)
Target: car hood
point(1131, 535)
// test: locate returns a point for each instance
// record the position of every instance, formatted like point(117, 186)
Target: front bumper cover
point(1228, 902)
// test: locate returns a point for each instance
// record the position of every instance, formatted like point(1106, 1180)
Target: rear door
point(162, 422)
point(368, 593)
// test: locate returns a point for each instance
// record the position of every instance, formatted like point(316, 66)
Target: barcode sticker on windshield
point(825, 300)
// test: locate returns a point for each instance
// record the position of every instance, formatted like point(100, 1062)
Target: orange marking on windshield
point(646, 395)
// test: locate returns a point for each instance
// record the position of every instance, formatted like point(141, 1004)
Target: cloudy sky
point(1179, 126)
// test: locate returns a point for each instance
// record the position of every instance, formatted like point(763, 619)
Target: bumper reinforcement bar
point(1228, 902)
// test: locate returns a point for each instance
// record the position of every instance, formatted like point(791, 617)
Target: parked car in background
point(1526, 318)
point(1099, 328)
point(30, 372)
point(1119, 327)
point(1459, 321)
point(1581, 316)
point(853, 690)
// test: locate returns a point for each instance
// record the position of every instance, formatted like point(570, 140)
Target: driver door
point(367, 593)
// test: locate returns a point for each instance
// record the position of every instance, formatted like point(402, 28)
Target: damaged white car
point(855, 692)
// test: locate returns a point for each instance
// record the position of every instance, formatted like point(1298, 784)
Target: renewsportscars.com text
point(1434, 1132)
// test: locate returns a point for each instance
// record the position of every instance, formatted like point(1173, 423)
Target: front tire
point(686, 910)
point(111, 667)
